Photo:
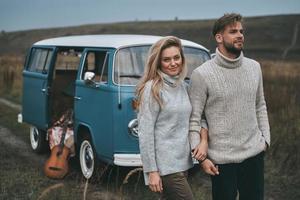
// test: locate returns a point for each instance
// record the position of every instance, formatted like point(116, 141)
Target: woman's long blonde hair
point(153, 69)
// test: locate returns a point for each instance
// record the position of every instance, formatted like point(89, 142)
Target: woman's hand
point(200, 151)
point(155, 183)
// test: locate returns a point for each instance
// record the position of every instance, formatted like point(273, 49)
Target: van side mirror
point(89, 77)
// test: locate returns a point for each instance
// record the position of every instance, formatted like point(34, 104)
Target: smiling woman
point(163, 117)
point(171, 61)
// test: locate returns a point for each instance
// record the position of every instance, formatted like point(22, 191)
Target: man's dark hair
point(225, 20)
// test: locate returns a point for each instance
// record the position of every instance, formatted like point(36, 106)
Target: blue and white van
point(95, 75)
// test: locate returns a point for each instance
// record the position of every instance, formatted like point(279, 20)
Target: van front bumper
point(128, 160)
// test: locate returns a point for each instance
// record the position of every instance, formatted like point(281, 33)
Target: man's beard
point(232, 49)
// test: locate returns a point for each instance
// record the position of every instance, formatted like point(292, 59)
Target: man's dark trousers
point(246, 178)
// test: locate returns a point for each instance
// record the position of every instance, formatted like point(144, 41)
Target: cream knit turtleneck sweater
point(230, 93)
point(163, 132)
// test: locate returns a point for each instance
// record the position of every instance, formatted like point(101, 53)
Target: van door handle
point(77, 98)
point(43, 90)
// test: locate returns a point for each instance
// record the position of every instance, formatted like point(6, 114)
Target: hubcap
point(89, 157)
point(34, 137)
point(86, 159)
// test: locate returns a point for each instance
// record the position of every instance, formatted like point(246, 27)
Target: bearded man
point(228, 90)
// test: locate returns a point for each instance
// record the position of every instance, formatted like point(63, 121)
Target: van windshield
point(130, 62)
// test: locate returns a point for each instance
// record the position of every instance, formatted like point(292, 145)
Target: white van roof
point(108, 41)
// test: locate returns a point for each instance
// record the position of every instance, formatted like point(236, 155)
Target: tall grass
point(282, 92)
point(11, 77)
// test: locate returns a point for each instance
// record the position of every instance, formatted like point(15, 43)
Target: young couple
point(234, 134)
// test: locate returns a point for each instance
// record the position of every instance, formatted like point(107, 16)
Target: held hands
point(200, 151)
point(155, 183)
point(209, 167)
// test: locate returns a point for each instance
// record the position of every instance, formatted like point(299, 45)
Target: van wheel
point(38, 140)
point(87, 158)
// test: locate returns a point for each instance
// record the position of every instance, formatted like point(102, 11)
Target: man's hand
point(209, 167)
point(155, 183)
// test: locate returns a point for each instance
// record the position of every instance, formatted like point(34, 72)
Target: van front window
point(130, 62)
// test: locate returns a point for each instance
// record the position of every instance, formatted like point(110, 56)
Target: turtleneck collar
point(170, 80)
point(226, 62)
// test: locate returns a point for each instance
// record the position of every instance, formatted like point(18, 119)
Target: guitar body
point(57, 166)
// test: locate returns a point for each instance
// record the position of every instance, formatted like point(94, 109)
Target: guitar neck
point(65, 127)
point(63, 136)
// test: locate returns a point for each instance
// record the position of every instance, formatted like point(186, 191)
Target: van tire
point(87, 157)
point(38, 141)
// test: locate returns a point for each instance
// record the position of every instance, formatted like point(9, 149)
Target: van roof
point(108, 41)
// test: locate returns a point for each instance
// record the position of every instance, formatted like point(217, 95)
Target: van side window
point(40, 60)
point(68, 59)
point(97, 62)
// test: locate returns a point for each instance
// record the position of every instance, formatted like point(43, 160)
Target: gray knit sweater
point(163, 132)
point(230, 93)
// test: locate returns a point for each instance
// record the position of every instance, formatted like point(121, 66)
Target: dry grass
point(282, 92)
point(11, 77)
point(280, 69)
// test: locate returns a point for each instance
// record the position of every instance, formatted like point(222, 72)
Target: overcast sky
point(32, 14)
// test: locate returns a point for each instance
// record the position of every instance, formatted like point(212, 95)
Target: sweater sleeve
point(261, 110)
point(147, 116)
point(198, 97)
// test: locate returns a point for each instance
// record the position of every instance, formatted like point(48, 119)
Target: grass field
point(282, 91)
point(11, 77)
point(20, 178)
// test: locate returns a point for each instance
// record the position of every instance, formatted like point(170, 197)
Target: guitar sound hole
point(55, 168)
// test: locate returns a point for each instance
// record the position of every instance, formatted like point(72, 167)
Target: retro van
point(95, 76)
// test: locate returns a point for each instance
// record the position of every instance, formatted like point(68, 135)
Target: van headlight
point(133, 128)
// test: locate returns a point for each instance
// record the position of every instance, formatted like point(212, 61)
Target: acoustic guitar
point(57, 166)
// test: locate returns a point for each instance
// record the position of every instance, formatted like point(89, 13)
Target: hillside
point(266, 37)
